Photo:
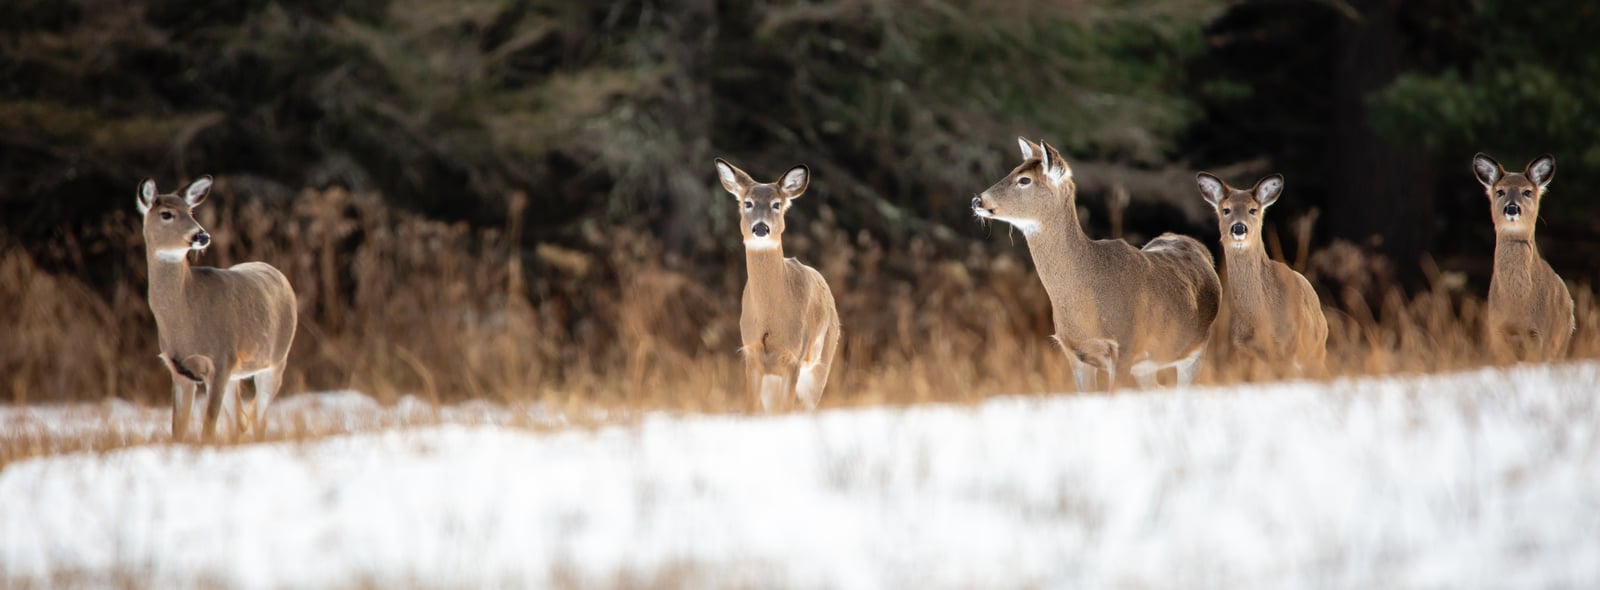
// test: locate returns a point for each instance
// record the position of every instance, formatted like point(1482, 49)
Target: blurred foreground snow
point(1480, 479)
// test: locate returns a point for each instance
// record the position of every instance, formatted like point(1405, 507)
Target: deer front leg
point(182, 403)
point(1088, 358)
point(216, 388)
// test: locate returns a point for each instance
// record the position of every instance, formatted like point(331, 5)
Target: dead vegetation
point(393, 304)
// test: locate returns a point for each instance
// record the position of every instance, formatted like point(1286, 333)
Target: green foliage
point(603, 113)
point(1533, 86)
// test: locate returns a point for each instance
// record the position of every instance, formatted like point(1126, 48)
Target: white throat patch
point(761, 244)
point(172, 254)
point(1028, 227)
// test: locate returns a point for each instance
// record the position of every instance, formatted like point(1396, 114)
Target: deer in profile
point(216, 326)
point(1530, 312)
point(788, 326)
point(1117, 309)
point(1273, 314)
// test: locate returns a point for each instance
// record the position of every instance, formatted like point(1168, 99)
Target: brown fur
point(1116, 308)
point(786, 305)
point(1273, 314)
point(1530, 311)
point(212, 323)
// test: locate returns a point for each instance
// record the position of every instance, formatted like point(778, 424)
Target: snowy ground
point(1481, 479)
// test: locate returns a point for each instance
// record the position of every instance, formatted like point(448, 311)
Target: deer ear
point(1030, 150)
point(1268, 189)
point(795, 181)
point(734, 180)
point(1487, 170)
point(1541, 170)
point(1211, 187)
point(147, 195)
point(197, 191)
point(1055, 168)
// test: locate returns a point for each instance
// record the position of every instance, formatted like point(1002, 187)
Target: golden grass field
point(393, 304)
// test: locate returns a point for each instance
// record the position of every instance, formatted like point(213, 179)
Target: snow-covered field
point(1480, 479)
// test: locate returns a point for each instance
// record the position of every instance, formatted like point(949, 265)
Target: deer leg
point(1188, 368)
point(216, 388)
point(232, 407)
point(814, 374)
point(1088, 358)
point(752, 377)
point(1145, 376)
point(267, 384)
point(182, 404)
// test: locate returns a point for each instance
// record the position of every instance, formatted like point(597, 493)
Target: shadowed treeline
point(515, 197)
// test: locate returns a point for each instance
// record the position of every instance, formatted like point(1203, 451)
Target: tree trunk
point(1379, 191)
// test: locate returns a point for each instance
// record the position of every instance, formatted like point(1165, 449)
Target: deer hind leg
point(1189, 367)
point(1144, 372)
point(813, 377)
point(267, 384)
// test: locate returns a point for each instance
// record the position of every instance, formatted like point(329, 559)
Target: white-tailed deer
point(788, 325)
point(1530, 314)
point(1116, 308)
point(1273, 314)
point(216, 326)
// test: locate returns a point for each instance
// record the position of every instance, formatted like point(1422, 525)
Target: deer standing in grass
point(1273, 313)
point(789, 326)
point(1530, 314)
point(1117, 309)
point(216, 326)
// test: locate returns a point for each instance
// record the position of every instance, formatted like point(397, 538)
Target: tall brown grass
point(392, 304)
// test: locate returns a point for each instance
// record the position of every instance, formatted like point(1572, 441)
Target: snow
point(1488, 478)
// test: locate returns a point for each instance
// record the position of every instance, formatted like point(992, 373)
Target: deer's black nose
point(761, 230)
point(1238, 229)
point(202, 239)
point(977, 202)
point(1513, 210)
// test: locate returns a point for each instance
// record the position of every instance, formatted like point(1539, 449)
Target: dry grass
point(393, 304)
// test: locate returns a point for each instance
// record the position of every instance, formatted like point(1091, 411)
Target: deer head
point(762, 205)
point(170, 230)
point(1514, 197)
point(1239, 212)
point(1034, 190)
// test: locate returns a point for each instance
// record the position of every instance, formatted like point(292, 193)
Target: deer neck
point(1514, 255)
point(764, 268)
point(1249, 271)
point(1059, 248)
point(169, 282)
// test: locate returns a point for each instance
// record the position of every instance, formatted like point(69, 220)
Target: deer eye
point(748, 205)
point(166, 215)
point(777, 205)
point(1527, 193)
point(1252, 210)
point(1500, 192)
point(1024, 181)
point(1227, 211)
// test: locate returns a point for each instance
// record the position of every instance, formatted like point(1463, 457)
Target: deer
point(1530, 312)
point(1273, 314)
point(1117, 309)
point(788, 325)
point(216, 326)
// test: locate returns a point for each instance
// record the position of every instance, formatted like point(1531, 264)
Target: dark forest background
point(608, 114)
point(568, 127)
